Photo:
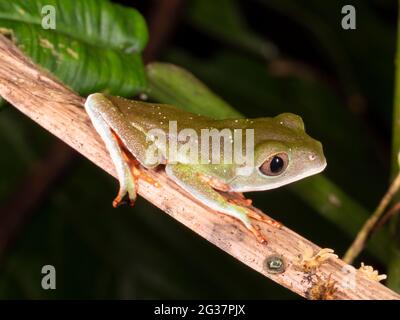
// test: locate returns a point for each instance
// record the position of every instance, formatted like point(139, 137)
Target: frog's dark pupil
point(276, 164)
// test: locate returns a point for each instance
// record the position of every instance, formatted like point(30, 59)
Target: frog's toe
point(132, 198)
point(243, 202)
point(258, 235)
point(127, 190)
point(244, 216)
point(124, 197)
point(119, 200)
point(263, 218)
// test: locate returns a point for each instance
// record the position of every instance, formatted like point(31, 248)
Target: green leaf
point(95, 46)
point(174, 85)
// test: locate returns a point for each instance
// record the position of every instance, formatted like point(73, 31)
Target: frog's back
point(146, 116)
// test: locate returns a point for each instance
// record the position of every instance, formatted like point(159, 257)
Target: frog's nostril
point(312, 156)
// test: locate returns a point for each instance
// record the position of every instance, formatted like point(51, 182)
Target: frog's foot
point(137, 173)
point(250, 214)
point(120, 199)
point(129, 178)
point(263, 218)
point(246, 215)
point(127, 188)
point(240, 200)
point(256, 232)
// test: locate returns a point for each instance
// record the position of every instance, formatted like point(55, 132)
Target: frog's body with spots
point(283, 152)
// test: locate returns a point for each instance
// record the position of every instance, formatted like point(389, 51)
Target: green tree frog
point(280, 151)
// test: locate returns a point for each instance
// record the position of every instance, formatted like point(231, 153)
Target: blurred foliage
point(263, 57)
point(226, 22)
point(394, 265)
point(174, 85)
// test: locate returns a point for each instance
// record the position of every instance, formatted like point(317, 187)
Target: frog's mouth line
point(278, 184)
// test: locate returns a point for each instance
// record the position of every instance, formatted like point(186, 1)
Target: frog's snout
point(317, 157)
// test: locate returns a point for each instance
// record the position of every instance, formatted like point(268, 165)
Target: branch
point(59, 110)
point(359, 242)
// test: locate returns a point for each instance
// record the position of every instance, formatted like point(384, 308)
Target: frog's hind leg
point(193, 182)
point(130, 175)
point(127, 155)
point(126, 177)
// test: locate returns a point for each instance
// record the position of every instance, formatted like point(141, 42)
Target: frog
point(280, 150)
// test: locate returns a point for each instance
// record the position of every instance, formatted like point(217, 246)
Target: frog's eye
point(275, 165)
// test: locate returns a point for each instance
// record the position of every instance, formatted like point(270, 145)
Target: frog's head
point(283, 153)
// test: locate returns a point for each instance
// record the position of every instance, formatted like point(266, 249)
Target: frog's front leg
point(191, 180)
point(124, 167)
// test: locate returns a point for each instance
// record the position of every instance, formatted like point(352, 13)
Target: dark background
point(293, 57)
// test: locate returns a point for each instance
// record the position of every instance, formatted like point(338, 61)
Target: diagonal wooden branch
point(59, 110)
